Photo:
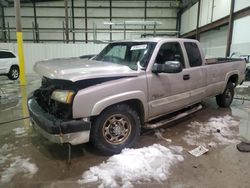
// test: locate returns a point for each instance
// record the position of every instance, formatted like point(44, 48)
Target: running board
point(173, 118)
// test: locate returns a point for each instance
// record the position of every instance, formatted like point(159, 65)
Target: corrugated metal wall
point(51, 16)
point(37, 52)
point(241, 37)
point(214, 42)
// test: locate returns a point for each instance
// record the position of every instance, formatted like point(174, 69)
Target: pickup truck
point(126, 87)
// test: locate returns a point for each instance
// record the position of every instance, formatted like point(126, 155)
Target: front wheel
point(226, 98)
point(115, 128)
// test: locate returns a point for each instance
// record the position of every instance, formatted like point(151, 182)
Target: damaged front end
point(53, 118)
point(44, 98)
point(50, 109)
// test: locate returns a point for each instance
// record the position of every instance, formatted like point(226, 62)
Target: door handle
point(186, 77)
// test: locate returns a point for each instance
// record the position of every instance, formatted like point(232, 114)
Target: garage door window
point(193, 52)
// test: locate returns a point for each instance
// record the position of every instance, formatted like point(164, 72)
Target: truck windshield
point(131, 54)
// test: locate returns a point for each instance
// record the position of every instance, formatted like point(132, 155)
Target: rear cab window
point(4, 55)
point(193, 53)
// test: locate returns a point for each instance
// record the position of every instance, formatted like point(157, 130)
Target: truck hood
point(75, 69)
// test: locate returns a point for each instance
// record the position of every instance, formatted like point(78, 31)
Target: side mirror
point(167, 67)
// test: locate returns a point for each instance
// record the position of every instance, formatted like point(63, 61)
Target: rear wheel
point(115, 128)
point(226, 98)
point(13, 73)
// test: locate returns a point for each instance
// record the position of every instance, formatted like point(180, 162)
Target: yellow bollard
point(21, 58)
point(25, 107)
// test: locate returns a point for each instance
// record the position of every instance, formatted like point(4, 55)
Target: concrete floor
point(222, 166)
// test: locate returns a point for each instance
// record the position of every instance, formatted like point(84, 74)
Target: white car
point(9, 64)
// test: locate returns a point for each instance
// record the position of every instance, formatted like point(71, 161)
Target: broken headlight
point(64, 96)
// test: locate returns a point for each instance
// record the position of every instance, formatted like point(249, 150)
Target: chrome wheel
point(14, 73)
point(116, 129)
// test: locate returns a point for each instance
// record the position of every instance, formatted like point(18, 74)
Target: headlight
point(64, 96)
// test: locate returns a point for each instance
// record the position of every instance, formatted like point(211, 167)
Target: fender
point(228, 75)
point(114, 99)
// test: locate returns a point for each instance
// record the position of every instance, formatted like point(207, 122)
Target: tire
point(115, 128)
point(226, 98)
point(13, 73)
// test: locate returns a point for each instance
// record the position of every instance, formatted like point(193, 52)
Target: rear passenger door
point(196, 73)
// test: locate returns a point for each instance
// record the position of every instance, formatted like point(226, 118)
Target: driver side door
point(167, 92)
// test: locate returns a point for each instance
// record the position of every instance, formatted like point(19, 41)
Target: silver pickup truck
point(126, 87)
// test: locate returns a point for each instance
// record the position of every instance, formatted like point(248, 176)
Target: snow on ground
point(4, 153)
point(177, 149)
point(134, 166)
point(6, 148)
point(158, 134)
point(19, 165)
point(13, 165)
point(220, 129)
point(20, 132)
point(245, 84)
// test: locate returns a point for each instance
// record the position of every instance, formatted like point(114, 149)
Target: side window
point(4, 55)
point(170, 51)
point(193, 54)
point(118, 51)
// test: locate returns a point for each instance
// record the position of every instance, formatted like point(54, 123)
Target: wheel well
point(14, 66)
point(135, 104)
point(233, 79)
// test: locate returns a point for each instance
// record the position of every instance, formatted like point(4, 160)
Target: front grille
point(43, 98)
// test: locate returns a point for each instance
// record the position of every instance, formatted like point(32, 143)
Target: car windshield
point(130, 54)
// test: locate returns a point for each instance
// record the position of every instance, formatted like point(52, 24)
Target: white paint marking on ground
point(134, 166)
point(20, 132)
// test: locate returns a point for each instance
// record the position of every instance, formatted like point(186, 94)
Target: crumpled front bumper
point(56, 130)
